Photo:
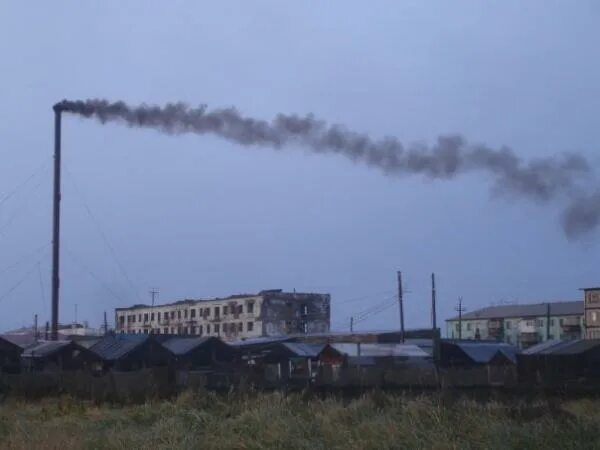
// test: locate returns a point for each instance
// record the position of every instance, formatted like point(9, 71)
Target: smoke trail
point(540, 179)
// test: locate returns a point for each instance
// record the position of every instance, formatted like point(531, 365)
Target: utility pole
point(460, 308)
point(154, 294)
point(433, 314)
point(35, 327)
point(401, 304)
point(56, 222)
point(47, 328)
point(105, 324)
point(547, 321)
point(351, 325)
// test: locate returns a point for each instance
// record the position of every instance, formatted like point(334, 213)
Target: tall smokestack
point(56, 221)
point(542, 179)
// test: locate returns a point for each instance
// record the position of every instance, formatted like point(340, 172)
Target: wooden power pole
point(401, 304)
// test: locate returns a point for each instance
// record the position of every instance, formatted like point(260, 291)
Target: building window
point(225, 310)
point(139, 317)
point(179, 314)
point(594, 316)
point(145, 330)
point(507, 323)
point(151, 317)
point(200, 330)
point(208, 329)
point(457, 327)
point(250, 307)
point(551, 322)
point(122, 320)
point(145, 317)
point(217, 313)
point(540, 322)
point(166, 330)
point(192, 313)
point(185, 313)
point(185, 330)
point(468, 326)
point(172, 330)
point(240, 308)
point(561, 322)
point(240, 327)
point(172, 314)
point(217, 328)
point(250, 326)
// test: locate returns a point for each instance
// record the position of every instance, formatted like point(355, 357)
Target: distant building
point(522, 325)
point(592, 312)
point(268, 313)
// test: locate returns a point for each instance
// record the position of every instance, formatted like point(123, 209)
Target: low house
point(558, 364)
point(383, 364)
point(53, 356)
point(196, 353)
point(128, 352)
point(10, 354)
point(300, 361)
point(477, 363)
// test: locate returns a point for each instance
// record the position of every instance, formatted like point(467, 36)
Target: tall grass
point(374, 420)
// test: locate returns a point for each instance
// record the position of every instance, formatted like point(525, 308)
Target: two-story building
point(592, 312)
point(522, 325)
point(268, 313)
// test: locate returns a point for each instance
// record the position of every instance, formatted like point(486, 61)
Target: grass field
point(375, 421)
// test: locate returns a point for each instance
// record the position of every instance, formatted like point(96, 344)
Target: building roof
point(556, 347)
point(304, 350)
point(567, 308)
point(183, 345)
point(45, 348)
point(380, 349)
point(484, 352)
point(111, 348)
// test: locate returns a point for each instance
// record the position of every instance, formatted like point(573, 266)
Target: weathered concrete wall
point(289, 313)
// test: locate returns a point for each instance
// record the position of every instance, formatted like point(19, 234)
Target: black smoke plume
point(542, 179)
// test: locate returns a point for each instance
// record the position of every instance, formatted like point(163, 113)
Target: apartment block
point(268, 313)
point(522, 325)
point(592, 312)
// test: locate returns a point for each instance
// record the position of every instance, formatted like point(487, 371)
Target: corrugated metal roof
point(180, 346)
point(541, 347)
point(380, 349)
point(529, 310)
point(44, 349)
point(305, 350)
point(260, 340)
point(572, 347)
point(484, 352)
point(115, 347)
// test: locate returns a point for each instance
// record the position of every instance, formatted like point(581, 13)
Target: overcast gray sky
point(197, 216)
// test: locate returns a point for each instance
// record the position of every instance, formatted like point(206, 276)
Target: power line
point(103, 235)
point(24, 258)
point(42, 290)
point(22, 184)
point(20, 208)
point(21, 281)
point(92, 274)
point(356, 299)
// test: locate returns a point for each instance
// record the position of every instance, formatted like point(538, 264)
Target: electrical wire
point(11, 193)
point(21, 281)
point(86, 269)
point(24, 258)
point(103, 235)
